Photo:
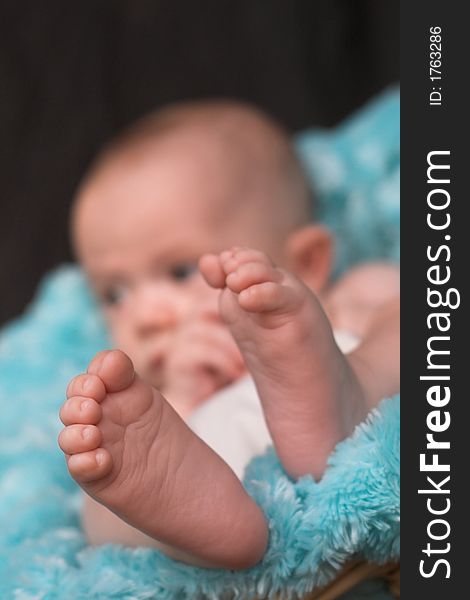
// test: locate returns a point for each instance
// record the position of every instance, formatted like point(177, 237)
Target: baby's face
point(140, 228)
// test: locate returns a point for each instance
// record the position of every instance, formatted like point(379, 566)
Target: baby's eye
point(183, 271)
point(113, 295)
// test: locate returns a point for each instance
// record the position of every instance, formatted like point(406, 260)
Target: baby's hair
point(244, 131)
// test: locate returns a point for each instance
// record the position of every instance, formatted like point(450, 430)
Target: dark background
point(73, 73)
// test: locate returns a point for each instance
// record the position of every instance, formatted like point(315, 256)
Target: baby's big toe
point(114, 368)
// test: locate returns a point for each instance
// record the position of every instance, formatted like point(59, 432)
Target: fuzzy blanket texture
point(314, 527)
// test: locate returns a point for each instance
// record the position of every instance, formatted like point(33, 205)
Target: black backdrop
point(73, 72)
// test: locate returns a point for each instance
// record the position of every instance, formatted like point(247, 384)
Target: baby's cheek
point(122, 337)
point(113, 326)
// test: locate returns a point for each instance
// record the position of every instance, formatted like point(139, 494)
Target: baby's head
point(190, 179)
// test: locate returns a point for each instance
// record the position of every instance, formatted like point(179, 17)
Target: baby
point(194, 230)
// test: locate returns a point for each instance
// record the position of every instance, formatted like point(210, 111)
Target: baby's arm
point(353, 301)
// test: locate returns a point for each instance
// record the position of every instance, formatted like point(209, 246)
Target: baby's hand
point(202, 359)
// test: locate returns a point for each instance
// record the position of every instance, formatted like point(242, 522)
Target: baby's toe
point(225, 255)
point(114, 368)
point(267, 297)
point(80, 409)
point(234, 258)
point(252, 273)
point(87, 385)
point(79, 438)
point(90, 466)
point(211, 269)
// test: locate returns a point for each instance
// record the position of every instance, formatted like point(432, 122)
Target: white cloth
point(232, 421)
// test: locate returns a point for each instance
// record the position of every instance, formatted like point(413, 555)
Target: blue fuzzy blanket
point(314, 527)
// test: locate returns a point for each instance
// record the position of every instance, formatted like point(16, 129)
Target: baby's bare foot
point(309, 393)
point(130, 451)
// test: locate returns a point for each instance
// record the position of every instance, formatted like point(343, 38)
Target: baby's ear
point(310, 254)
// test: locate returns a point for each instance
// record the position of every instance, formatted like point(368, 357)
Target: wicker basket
point(353, 574)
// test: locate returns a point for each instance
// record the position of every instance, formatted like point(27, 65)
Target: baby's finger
point(220, 364)
point(216, 334)
point(206, 355)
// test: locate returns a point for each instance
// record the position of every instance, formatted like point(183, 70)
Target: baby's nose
point(160, 319)
point(157, 310)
